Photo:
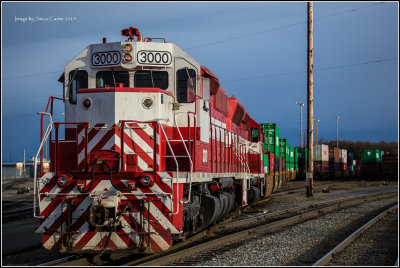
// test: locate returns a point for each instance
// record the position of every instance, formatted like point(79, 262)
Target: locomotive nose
point(110, 105)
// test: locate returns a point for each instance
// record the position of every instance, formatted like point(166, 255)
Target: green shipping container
point(291, 151)
point(284, 149)
point(371, 156)
point(291, 158)
point(302, 158)
point(296, 160)
point(266, 164)
point(271, 138)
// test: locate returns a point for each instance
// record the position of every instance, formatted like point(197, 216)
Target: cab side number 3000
point(154, 57)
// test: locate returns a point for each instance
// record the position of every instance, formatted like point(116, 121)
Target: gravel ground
point(292, 246)
point(372, 247)
point(31, 258)
point(284, 248)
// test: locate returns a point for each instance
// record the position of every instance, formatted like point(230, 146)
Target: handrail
point(244, 164)
point(172, 180)
point(46, 136)
point(190, 159)
point(50, 101)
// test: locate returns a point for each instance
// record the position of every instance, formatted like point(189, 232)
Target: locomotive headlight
point(87, 103)
point(127, 57)
point(128, 48)
point(147, 181)
point(63, 181)
point(147, 103)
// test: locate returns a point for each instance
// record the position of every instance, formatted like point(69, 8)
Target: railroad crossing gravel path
point(301, 244)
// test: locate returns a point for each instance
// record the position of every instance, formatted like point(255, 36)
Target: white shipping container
point(321, 152)
point(343, 156)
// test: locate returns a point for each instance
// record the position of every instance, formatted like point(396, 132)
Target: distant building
point(16, 169)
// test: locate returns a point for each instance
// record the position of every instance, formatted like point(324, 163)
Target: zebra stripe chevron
point(156, 212)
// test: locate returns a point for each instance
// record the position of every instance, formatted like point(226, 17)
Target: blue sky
point(257, 49)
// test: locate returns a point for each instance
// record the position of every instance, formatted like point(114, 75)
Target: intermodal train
point(152, 150)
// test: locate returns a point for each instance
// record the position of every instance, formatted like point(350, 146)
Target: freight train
point(152, 150)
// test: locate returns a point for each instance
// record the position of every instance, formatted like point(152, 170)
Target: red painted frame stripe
point(124, 89)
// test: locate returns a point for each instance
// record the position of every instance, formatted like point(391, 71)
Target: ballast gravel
point(292, 245)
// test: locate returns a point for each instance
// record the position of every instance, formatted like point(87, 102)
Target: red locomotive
point(154, 150)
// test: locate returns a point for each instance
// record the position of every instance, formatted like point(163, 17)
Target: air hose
point(111, 179)
point(114, 225)
point(91, 183)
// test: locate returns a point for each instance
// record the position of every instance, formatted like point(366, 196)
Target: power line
point(30, 75)
point(317, 69)
point(226, 40)
point(281, 27)
point(27, 97)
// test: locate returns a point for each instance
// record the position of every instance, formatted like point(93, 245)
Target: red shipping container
point(324, 166)
point(343, 166)
point(334, 154)
point(271, 160)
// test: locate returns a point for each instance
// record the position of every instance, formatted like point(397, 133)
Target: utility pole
point(310, 99)
point(316, 130)
point(301, 123)
point(337, 131)
point(24, 162)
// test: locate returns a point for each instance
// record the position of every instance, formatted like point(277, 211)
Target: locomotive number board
point(154, 57)
point(106, 58)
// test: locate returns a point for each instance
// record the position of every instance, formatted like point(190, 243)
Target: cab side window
point(254, 135)
point(186, 85)
point(77, 79)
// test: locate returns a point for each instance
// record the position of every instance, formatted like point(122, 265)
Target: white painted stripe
point(49, 221)
point(139, 142)
point(55, 214)
point(159, 240)
point(217, 122)
point(110, 143)
point(81, 135)
point(96, 139)
point(158, 214)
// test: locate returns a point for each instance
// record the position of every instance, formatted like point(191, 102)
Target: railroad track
point(334, 258)
point(298, 190)
point(232, 232)
point(191, 255)
point(16, 213)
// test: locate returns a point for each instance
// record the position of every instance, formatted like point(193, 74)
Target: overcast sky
point(257, 49)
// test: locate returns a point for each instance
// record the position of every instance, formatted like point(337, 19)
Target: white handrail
point(245, 165)
point(190, 159)
point(172, 180)
point(35, 187)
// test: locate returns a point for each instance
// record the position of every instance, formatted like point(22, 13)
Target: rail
point(327, 257)
point(195, 245)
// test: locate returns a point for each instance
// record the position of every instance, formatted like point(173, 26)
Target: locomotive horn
point(132, 32)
